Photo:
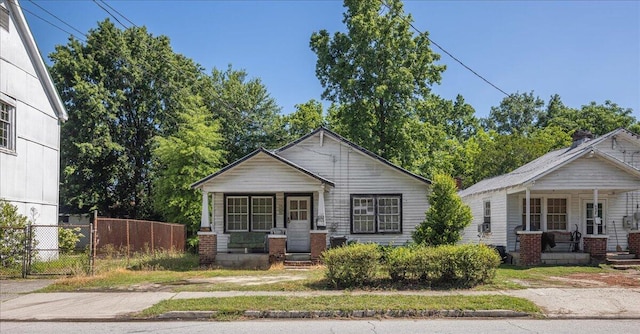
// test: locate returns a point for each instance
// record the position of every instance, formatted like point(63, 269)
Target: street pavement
point(17, 304)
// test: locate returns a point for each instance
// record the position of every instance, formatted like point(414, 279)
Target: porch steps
point(298, 260)
point(622, 260)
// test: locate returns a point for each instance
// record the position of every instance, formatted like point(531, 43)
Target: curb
point(207, 315)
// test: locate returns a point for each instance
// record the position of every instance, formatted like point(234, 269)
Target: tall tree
point(517, 114)
point(597, 118)
point(119, 89)
point(375, 72)
point(307, 117)
point(192, 152)
point(249, 116)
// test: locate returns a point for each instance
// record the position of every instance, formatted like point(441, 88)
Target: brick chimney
point(581, 136)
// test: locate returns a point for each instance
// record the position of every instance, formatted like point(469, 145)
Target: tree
point(447, 215)
point(599, 119)
point(249, 117)
point(375, 73)
point(517, 114)
point(120, 89)
point(306, 118)
point(192, 152)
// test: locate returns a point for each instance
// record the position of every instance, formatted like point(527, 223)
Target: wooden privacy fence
point(132, 235)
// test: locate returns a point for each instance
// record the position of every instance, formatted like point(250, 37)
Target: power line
point(448, 53)
point(117, 12)
point(108, 12)
point(51, 23)
point(59, 19)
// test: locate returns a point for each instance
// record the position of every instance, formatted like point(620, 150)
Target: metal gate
point(46, 250)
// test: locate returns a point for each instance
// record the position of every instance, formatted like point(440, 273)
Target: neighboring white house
point(319, 181)
point(31, 113)
point(559, 190)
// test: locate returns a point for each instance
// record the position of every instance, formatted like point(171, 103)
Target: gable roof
point(272, 155)
point(355, 146)
point(546, 164)
point(36, 59)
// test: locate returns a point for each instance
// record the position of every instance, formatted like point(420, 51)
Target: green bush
point(447, 265)
point(68, 238)
point(352, 265)
point(13, 236)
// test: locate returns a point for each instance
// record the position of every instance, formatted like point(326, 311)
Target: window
point(487, 211)
point(249, 213)
point(261, 213)
point(376, 214)
point(7, 126)
point(556, 214)
point(535, 205)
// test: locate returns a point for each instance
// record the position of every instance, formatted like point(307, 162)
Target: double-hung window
point(535, 205)
point(556, 214)
point(7, 126)
point(245, 213)
point(376, 214)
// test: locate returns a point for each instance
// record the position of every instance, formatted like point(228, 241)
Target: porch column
point(527, 209)
point(595, 211)
point(212, 211)
point(204, 218)
point(321, 223)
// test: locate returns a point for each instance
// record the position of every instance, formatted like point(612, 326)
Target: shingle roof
point(538, 167)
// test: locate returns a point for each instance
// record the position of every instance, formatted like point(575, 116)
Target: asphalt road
point(333, 326)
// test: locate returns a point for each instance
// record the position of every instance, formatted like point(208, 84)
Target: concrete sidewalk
point(591, 303)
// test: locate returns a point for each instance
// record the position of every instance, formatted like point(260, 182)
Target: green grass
point(235, 306)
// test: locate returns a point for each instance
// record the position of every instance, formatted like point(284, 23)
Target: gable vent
point(4, 18)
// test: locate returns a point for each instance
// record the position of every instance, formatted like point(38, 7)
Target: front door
point(592, 221)
point(298, 224)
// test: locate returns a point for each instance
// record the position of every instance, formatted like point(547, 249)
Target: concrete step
point(298, 264)
point(624, 262)
point(624, 266)
point(620, 256)
point(297, 257)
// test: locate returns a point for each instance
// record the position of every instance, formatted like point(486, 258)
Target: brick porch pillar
point(277, 247)
point(596, 246)
point(318, 244)
point(530, 247)
point(207, 248)
point(634, 243)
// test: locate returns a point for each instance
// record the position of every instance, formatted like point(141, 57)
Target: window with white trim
point(261, 213)
point(376, 214)
point(556, 214)
point(487, 211)
point(7, 126)
point(249, 213)
point(535, 205)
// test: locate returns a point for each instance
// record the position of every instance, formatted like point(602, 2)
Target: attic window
point(4, 18)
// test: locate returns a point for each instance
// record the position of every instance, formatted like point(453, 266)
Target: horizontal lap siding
point(356, 173)
point(587, 173)
point(498, 219)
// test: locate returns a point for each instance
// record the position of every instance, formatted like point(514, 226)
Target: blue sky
point(584, 51)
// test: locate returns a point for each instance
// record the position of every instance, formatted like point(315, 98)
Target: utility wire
point(108, 12)
point(53, 24)
point(59, 19)
point(448, 53)
point(117, 12)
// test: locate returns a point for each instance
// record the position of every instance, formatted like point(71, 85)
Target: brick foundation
point(530, 248)
point(634, 243)
point(277, 248)
point(318, 244)
point(207, 248)
point(596, 246)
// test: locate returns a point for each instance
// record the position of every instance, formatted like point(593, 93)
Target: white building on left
point(31, 113)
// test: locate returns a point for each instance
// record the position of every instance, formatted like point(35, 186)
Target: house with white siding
point(320, 182)
point(31, 113)
point(591, 187)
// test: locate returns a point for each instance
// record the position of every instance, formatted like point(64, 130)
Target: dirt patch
point(628, 278)
point(246, 280)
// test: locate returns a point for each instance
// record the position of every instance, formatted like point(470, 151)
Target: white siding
point(588, 173)
point(29, 176)
point(354, 172)
point(498, 235)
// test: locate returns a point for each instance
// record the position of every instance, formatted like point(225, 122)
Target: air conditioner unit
point(484, 228)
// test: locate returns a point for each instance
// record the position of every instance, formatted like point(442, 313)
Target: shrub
point(13, 236)
point(352, 265)
point(68, 238)
point(447, 265)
